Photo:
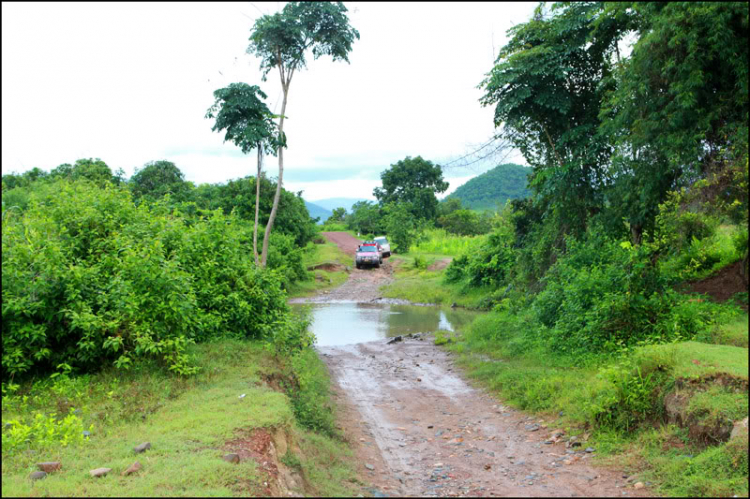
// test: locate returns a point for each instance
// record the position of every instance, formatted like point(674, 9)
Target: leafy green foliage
point(282, 39)
point(43, 431)
point(246, 120)
point(465, 223)
point(90, 279)
point(490, 263)
point(158, 178)
point(604, 295)
point(338, 215)
point(94, 170)
point(402, 228)
point(440, 242)
point(413, 182)
point(546, 87)
point(365, 218)
point(238, 196)
point(493, 188)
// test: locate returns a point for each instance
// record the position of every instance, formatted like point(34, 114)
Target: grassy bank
point(659, 412)
point(416, 282)
point(419, 274)
point(328, 265)
point(234, 404)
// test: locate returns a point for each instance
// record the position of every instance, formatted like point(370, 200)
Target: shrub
point(604, 295)
point(89, 279)
point(43, 431)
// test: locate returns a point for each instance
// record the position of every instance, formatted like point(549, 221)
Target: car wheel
point(377, 265)
point(359, 266)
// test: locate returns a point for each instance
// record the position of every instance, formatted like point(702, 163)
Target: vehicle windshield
point(369, 249)
point(381, 240)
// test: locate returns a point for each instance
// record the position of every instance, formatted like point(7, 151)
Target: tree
point(365, 218)
point(338, 215)
point(402, 227)
point(158, 178)
point(465, 223)
point(413, 181)
point(91, 169)
point(238, 196)
point(240, 111)
point(677, 110)
point(547, 86)
point(281, 41)
point(449, 205)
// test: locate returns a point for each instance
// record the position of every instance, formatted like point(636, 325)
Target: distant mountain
point(495, 186)
point(333, 203)
point(317, 211)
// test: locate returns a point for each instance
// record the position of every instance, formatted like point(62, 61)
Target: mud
point(426, 432)
point(419, 429)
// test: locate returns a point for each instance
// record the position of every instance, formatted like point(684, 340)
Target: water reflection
point(346, 323)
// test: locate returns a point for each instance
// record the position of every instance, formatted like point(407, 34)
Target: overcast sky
point(130, 83)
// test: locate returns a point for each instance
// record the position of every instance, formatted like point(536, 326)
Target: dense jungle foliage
point(637, 161)
point(98, 270)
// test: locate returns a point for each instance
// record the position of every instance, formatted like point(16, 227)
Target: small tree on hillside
point(157, 178)
point(248, 123)
point(281, 41)
point(338, 215)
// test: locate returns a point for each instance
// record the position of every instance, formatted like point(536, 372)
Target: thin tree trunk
point(272, 217)
point(257, 205)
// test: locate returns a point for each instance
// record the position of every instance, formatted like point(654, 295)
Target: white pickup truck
point(384, 244)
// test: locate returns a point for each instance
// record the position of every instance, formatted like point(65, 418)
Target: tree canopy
point(158, 178)
point(415, 182)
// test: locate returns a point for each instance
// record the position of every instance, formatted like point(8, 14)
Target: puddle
point(348, 323)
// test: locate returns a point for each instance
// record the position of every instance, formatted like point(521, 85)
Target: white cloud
point(131, 82)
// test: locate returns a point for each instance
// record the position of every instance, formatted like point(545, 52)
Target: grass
point(187, 422)
point(733, 333)
point(619, 401)
point(317, 254)
point(426, 286)
point(440, 242)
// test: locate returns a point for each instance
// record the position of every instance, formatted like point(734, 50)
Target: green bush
point(286, 259)
point(43, 431)
point(486, 265)
point(604, 295)
point(89, 279)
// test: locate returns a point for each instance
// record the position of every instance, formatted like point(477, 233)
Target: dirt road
point(419, 429)
point(362, 285)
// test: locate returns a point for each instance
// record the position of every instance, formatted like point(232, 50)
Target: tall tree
point(413, 181)
point(547, 86)
point(281, 41)
point(240, 111)
point(678, 108)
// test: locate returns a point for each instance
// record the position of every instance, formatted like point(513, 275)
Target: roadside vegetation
point(145, 310)
point(618, 290)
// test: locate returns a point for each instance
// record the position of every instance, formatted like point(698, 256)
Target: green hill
point(495, 186)
point(318, 212)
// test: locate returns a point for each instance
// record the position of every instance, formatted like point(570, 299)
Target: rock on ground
point(49, 466)
point(100, 472)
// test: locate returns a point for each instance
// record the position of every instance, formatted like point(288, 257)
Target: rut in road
point(419, 429)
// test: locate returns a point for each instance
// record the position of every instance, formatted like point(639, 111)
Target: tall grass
point(440, 242)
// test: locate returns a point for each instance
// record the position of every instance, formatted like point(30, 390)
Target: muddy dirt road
point(362, 285)
point(419, 429)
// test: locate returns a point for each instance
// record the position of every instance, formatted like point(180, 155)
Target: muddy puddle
point(336, 324)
